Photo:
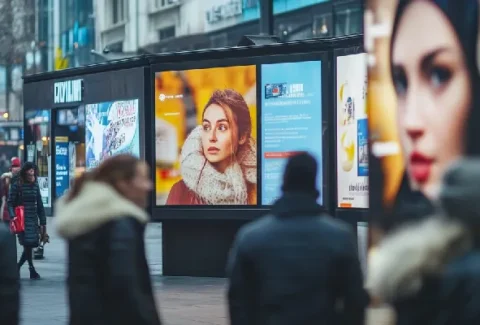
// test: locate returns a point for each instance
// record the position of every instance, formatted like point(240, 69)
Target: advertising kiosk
point(216, 125)
point(69, 113)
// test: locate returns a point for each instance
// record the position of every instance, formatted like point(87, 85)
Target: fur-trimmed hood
point(96, 204)
point(7, 175)
point(396, 269)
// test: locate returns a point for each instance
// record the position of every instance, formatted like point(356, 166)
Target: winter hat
point(15, 162)
point(301, 174)
point(459, 196)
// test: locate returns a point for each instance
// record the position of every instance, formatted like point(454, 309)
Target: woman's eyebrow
point(427, 59)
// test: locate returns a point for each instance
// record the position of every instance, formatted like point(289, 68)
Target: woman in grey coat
point(25, 191)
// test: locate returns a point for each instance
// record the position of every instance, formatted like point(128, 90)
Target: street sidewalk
point(181, 300)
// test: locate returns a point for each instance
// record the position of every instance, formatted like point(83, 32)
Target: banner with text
point(62, 169)
point(352, 132)
point(291, 120)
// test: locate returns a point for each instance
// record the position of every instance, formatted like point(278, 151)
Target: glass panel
point(69, 147)
point(38, 149)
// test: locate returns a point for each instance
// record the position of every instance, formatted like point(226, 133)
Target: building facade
point(17, 55)
point(155, 26)
point(66, 34)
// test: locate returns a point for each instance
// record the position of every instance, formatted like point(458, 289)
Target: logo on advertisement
point(69, 91)
point(163, 97)
point(277, 90)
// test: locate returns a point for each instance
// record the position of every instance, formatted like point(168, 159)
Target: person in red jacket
point(5, 181)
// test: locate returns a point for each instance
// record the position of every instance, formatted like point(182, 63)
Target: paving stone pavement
point(181, 300)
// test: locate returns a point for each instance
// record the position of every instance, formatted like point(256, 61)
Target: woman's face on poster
point(217, 137)
point(433, 94)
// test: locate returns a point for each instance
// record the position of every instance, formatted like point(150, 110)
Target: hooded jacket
point(430, 269)
point(108, 275)
point(295, 266)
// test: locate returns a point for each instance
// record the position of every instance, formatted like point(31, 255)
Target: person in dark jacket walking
point(9, 284)
point(25, 191)
point(429, 269)
point(296, 265)
point(103, 219)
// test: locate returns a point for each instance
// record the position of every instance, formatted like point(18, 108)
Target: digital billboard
point(206, 136)
point(352, 131)
point(421, 100)
point(291, 120)
point(111, 128)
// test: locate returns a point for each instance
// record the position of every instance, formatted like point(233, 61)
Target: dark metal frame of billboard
point(245, 211)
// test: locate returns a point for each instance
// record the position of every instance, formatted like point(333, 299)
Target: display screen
point(111, 128)
point(352, 131)
point(206, 136)
point(291, 120)
point(421, 100)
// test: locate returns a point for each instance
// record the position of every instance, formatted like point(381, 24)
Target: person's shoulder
point(125, 226)
point(466, 266)
point(176, 192)
point(255, 229)
point(335, 225)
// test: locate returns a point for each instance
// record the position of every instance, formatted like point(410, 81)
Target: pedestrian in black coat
point(9, 285)
point(429, 269)
point(25, 191)
point(296, 265)
point(103, 219)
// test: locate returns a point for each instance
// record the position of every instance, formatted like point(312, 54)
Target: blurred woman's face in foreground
point(434, 94)
point(137, 190)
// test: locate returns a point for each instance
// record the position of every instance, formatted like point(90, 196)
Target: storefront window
point(69, 147)
point(348, 20)
point(37, 140)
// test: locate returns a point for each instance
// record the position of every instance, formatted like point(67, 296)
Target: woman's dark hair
point(25, 168)
point(231, 99)
point(112, 170)
point(463, 17)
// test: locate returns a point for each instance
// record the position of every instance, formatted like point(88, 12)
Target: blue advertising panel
point(112, 128)
point(362, 140)
point(291, 120)
point(62, 168)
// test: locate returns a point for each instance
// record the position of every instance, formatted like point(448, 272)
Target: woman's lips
point(420, 167)
point(213, 150)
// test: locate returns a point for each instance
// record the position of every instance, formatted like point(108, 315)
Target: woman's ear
point(242, 140)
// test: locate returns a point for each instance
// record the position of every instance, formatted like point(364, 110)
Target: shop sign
point(69, 91)
point(230, 9)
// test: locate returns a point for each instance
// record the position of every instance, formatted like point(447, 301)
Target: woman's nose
point(413, 119)
point(213, 136)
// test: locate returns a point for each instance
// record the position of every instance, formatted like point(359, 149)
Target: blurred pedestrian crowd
point(296, 265)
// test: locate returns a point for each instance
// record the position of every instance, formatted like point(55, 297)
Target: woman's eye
point(439, 76)
point(206, 127)
point(400, 83)
point(222, 127)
